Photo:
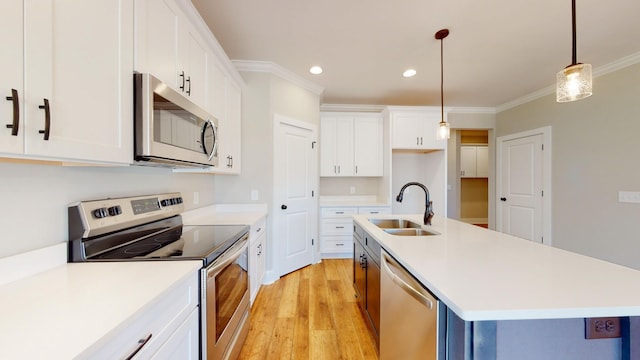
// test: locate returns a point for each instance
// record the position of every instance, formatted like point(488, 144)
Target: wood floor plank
point(301, 335)
point(309, 314)
point(289, 299)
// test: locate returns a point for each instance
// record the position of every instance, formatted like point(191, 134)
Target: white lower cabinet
point(336, 228)
point(257, 257)
point(184, 343)
point(167, 328)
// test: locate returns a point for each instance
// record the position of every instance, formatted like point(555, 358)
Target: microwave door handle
point(214, 152)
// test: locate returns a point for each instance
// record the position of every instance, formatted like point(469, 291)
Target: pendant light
point(443, 128)
point(574, 81)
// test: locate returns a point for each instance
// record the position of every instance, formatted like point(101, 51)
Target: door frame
point(546, 177)
point(278, 121)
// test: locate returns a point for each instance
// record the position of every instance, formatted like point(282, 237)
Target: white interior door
point(295, 194)
point(521, 187)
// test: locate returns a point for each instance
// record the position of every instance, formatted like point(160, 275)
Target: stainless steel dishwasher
point(410, 316)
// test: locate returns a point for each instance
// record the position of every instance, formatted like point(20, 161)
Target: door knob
point(503, 199)
point(283, 207)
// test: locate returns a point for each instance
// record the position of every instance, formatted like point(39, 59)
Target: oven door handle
point(228, 257)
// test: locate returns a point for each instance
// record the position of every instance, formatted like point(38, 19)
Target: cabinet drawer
point(337, 244)
point(337, 227)
point(257, 228)
point(156, 322)
point(339, 212)
point(374, 210)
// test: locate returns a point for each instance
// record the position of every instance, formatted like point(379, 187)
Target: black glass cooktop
point(164, 240)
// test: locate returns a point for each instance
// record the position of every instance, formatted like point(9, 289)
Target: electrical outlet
point(254, 195)
point(196, 198)
point(352, 190)
point(602, 328)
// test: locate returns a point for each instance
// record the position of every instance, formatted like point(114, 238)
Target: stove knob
point(100, 213)
point(115, 210)
point(172, 201)
point(164, 202)
point(179, 200)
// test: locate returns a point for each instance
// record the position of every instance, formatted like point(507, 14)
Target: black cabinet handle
point(182, 76)
point(283, 207)
point(47, 119)
point(189, 82)
point(16, 112)
point(141, 343)
point(503, 199)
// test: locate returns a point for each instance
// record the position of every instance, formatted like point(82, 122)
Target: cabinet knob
point(503, 199)
point(283, 207)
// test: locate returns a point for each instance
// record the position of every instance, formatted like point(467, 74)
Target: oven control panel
point(97, 217)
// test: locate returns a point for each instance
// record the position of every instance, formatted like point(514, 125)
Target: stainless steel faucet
point(428, 211)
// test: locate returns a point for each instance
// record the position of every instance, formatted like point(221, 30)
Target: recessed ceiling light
point(409, 73)
point(315, 70)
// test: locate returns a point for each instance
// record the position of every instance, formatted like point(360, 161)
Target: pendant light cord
point(574, 59)
point(442, 83)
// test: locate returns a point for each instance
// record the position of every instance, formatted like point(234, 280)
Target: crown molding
point(352, 107)
point(275, 69)
point(600, 71)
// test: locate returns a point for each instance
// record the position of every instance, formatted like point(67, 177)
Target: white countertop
point(485, 275)
point(59, 313)
point(231, 214)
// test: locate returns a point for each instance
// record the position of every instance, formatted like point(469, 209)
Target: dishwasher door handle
point(386, 261)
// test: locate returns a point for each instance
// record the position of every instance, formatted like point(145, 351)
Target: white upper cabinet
point(230, 129)
point(474, 161)
point(169, 47)
point(367, 151)
point(11, 74)
point(351, 145)
point(76, 102)
point(415, 130)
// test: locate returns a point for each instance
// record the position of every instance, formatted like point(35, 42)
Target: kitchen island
point(499, 281)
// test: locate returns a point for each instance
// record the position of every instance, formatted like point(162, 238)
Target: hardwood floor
point(310, 313)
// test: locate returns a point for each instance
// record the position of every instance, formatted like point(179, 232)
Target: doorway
point(295, 194)
point(474, 177)
point(524, 185)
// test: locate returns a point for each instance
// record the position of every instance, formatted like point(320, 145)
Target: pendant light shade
point(575, 81)
point(443, 128)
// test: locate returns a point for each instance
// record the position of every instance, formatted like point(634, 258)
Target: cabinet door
point(230, 132)
point(184, 342)
point(406, 131)
point(482, 161)
point(367, 152)
point(416, 130)
point(91, 116)
point(344, 146)
point(194, 64)
point(328, 129)
point(467, 161)
point(359, 272)
point(216, 89)
point(157, 39)
point(11, 71)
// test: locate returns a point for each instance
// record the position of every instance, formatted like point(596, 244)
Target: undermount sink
point(395, 224)
point(410, 232)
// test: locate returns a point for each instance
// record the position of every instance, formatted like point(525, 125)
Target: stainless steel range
point(149, 228)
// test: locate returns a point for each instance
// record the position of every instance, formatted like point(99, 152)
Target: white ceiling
point(497, 51)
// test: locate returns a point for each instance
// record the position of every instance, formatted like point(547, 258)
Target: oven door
point(226, 303)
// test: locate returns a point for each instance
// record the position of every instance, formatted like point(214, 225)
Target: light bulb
point(443, 131)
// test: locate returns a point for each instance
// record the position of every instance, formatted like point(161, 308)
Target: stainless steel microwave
point(170, 130)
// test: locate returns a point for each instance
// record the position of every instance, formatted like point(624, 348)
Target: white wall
point(33, 210)
point(595, 154)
